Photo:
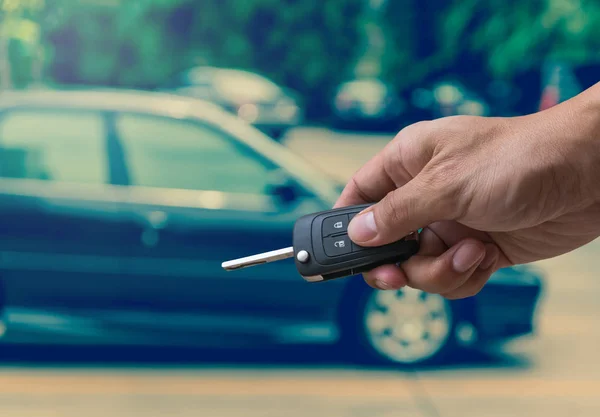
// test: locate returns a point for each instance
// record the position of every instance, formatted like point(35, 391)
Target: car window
point(64, 146)
point(171, 153)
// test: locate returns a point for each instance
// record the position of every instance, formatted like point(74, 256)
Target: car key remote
point(323, 250)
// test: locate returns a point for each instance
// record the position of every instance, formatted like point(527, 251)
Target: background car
point(250, 96)
point(366, 103)
point(446, 97)
point(117, 209)
point(549, 84)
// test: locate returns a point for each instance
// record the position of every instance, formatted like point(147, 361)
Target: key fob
point(323, 251)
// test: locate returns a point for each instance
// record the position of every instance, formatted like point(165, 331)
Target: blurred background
point(142, 143)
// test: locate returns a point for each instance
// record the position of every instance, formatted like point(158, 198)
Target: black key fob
point(323, 251)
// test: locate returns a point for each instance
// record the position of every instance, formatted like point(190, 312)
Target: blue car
point(118, 207)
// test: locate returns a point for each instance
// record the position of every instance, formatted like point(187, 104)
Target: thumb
point(402, 211)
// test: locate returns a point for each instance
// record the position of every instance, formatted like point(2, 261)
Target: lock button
point(335, 224)
point(335, 246)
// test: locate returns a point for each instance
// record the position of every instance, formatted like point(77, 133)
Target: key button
point(335, 224)
point(335, 246)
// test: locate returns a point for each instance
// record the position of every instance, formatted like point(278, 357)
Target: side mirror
point(283, 189)
point(285, 193)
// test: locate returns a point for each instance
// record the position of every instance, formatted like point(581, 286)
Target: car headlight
point(248, 112)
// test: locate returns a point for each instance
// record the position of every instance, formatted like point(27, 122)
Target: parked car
point(117, 209)
point(251, 96)
point(561, 82)
point(554, 82)
point(447, 98)
point(367, 103)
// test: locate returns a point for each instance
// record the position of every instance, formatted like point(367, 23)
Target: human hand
point(488, 193)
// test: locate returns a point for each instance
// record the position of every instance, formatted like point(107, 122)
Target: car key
point(323, 251)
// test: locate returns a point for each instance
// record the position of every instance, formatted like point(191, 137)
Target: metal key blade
point(261, 258)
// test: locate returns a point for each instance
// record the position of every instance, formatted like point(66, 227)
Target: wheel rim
point(407, 325)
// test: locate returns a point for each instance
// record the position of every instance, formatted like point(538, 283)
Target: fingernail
point(491, 256)
point(362, 228)
point(382, 285)
point(466, 257)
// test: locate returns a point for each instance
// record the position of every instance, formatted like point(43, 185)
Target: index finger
point(369, 184)
point(387, 170)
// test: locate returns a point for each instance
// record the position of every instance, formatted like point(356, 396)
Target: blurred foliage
point(307, 45)
point(19, 40)
point(304, 45)
point(480, 40)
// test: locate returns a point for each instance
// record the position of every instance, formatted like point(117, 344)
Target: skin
point(488, 192)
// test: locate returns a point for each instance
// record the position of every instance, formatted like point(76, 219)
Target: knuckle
point(414, 147)
point(393, 212)
point(417, 129)
point(391, 160)
point(355, 189)
point(474, 286)
point(405, 156)
point(442, 284)
point(445, 182)
point(434, 282)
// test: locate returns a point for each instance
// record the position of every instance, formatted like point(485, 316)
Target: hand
point(488, 193)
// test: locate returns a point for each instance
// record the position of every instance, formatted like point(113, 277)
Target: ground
point(554, 373)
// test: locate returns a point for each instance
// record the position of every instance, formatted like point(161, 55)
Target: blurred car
point(447, 98)
point(250, 96)
point(560, 83)
point(118, 207)
point(540, 88)
point(366, 103)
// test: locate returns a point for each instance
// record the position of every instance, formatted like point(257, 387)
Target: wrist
point(578, 121)
point(589, 103)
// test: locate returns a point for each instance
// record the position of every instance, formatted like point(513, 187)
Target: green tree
point(481, 39)
point(19, 40)
point(108, 42)
point(306, 45)
point(518, 35)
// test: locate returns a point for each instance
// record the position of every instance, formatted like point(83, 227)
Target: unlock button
point(335, 246)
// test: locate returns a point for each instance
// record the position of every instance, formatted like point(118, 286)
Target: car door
point(197, 199)
point(60, 229)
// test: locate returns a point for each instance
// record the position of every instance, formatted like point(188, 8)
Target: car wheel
point(404, 327)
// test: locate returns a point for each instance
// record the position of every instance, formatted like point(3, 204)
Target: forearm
point(578, 120)
point(589, 102)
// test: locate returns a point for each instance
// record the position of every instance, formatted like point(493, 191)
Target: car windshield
point(305, 171)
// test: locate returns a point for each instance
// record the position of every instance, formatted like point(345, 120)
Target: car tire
point(406, 327)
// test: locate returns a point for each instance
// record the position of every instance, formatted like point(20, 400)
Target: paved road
point(556, 373)
point(338, 155)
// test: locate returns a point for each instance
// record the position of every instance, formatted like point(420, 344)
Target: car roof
point(232, 72)
point(236, 82)
point(113, 100)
